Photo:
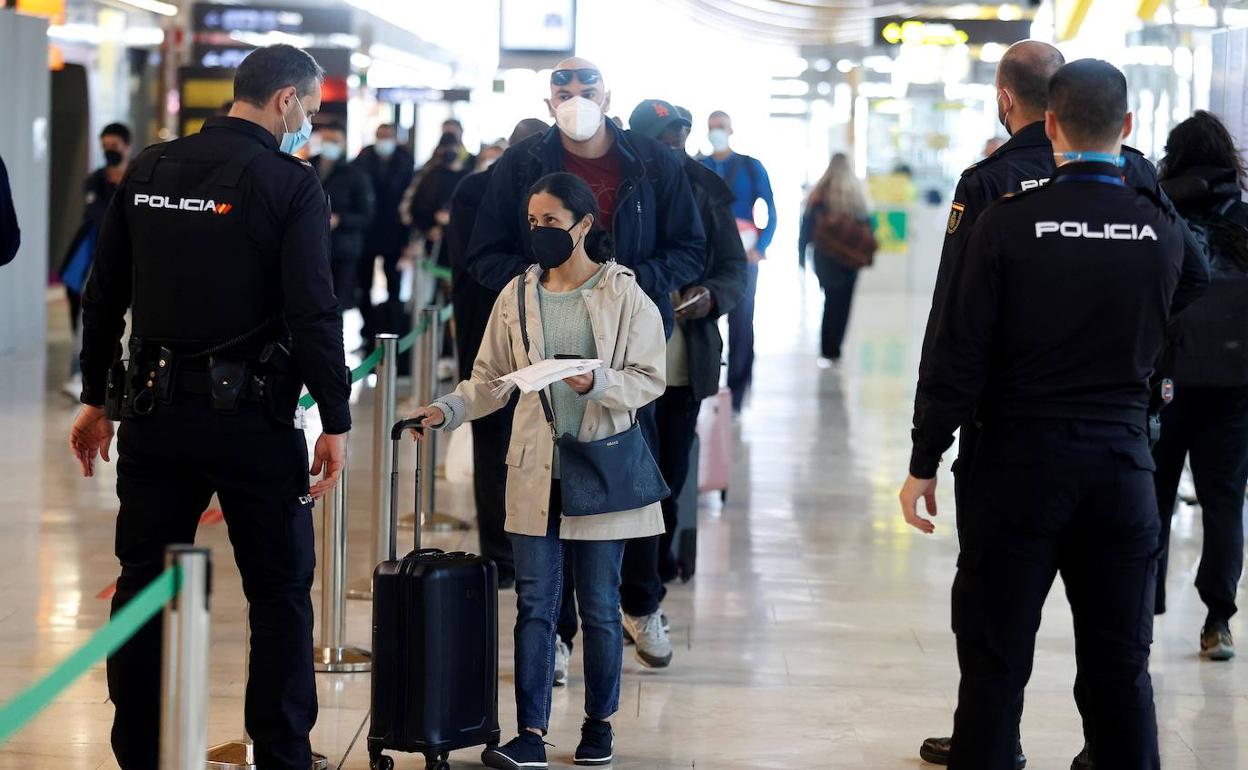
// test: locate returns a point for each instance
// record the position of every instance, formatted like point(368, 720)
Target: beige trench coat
point(628, 332)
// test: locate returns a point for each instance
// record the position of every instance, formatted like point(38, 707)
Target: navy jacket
point(10, 235)
point(657, 230)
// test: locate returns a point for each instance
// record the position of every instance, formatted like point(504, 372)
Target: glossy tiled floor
point(814, 635)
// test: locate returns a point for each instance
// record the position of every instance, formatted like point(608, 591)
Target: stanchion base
point(362, 590)
point(341, 660)
point(240, 755)
point(438, 522)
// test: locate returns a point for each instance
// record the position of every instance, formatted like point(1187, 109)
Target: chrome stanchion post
point(332, 656)
point(384, 400)
point(420, 282)
point(426, 508)
point(240, 754)
point(184, 690)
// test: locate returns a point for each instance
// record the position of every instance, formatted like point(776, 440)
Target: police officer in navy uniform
point(1023, 163)
point(1055, 314)
point(218, 245)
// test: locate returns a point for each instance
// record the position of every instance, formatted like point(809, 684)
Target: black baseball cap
point(654, 116)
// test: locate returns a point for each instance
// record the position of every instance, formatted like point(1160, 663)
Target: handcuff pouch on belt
point(135, 385)
point(149, 378)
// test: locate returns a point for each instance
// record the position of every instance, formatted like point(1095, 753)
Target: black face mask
point(113, 158)
point(551, 245)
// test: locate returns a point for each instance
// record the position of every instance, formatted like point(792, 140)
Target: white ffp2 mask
point(579, 118)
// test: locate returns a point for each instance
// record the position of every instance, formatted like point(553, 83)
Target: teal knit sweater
point(567, 331)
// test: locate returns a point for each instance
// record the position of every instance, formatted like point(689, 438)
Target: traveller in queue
point(1023, 163)
point(223, 340)
point(1063, 477)
point(473, 304)
point(1208, 363)
point(576, 301)
point(695, 350)
point(645, 202)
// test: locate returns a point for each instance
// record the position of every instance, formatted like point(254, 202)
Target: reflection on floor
point(814, 635)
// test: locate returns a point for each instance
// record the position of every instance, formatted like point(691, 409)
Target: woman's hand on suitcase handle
point(329, 457)
point(429, 416)
point(911, 492)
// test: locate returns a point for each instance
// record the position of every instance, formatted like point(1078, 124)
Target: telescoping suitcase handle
point(396, 433)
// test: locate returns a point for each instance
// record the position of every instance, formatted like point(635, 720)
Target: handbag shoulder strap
point(524, 335)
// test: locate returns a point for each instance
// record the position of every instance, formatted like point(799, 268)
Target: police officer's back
point(1054, 318)
point(217, 243)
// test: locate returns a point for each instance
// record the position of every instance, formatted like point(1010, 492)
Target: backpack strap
point(524, 335)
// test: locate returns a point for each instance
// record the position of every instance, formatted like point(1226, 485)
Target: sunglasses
point(587, 77)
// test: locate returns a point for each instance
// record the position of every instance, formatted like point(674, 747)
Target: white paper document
point(533, 378)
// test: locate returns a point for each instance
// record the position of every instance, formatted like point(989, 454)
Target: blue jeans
point(838, 283)
point(539, 591)
point(741, 341)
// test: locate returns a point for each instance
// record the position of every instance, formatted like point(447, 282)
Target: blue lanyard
point(1099, 178)
point(1091, 156)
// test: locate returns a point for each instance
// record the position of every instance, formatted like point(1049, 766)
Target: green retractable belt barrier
point(123, 625)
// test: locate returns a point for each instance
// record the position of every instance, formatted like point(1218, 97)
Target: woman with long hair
point(1207, 359)
point(576, 302)
point(837, 223)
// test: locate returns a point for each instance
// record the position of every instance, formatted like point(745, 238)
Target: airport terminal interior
point(815, 631)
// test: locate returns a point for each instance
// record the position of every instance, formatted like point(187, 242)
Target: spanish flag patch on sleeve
point(955, 216)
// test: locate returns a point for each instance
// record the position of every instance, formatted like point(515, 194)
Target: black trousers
point(169, 465)
point(345, 271)
point(641, 589)
point(1049, 497)
point(388, 316)
point(838, 284)
point(490, 437)
point(1212, 425)
point(676, 416)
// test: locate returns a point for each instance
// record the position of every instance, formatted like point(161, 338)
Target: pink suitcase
point(715, 437)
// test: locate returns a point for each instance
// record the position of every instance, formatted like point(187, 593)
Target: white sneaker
point(654, 648)
point(563, 658)
point(73, 387)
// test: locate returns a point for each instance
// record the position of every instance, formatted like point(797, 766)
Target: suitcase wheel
point(381, 762)
point(437, 762)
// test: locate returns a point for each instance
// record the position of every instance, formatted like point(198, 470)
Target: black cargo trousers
point(1050, 496)
point(169, 465)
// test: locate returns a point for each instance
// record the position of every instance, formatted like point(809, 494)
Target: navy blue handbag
point(617, 473)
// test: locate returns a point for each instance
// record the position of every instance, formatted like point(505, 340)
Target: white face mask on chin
point(579, 118)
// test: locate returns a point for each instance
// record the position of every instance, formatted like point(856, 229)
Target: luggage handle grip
point(396, 433)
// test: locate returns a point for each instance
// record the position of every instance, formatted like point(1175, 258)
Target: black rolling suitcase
point(435, 649)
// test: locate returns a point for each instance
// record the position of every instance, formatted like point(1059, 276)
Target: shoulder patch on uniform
point(294, 159)
point(955, 217)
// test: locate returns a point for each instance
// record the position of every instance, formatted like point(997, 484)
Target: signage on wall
point(896, 30)
point(261, 19)
point(535, 33)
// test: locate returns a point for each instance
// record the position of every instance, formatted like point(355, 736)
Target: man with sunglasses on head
point(648, 207)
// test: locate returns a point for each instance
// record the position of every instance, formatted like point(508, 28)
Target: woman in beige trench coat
point(578, 303)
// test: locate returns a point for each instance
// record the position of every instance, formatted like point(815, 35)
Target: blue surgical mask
point(385, 147)
point(331, 151)
point(292, 141)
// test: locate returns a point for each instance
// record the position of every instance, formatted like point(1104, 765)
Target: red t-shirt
point(603, 175)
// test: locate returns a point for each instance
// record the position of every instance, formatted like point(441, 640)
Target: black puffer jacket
point(1208, 343)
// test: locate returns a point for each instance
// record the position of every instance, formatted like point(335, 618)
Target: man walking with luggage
point(223, 340)
point(1063, 473)
point(749, 183)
